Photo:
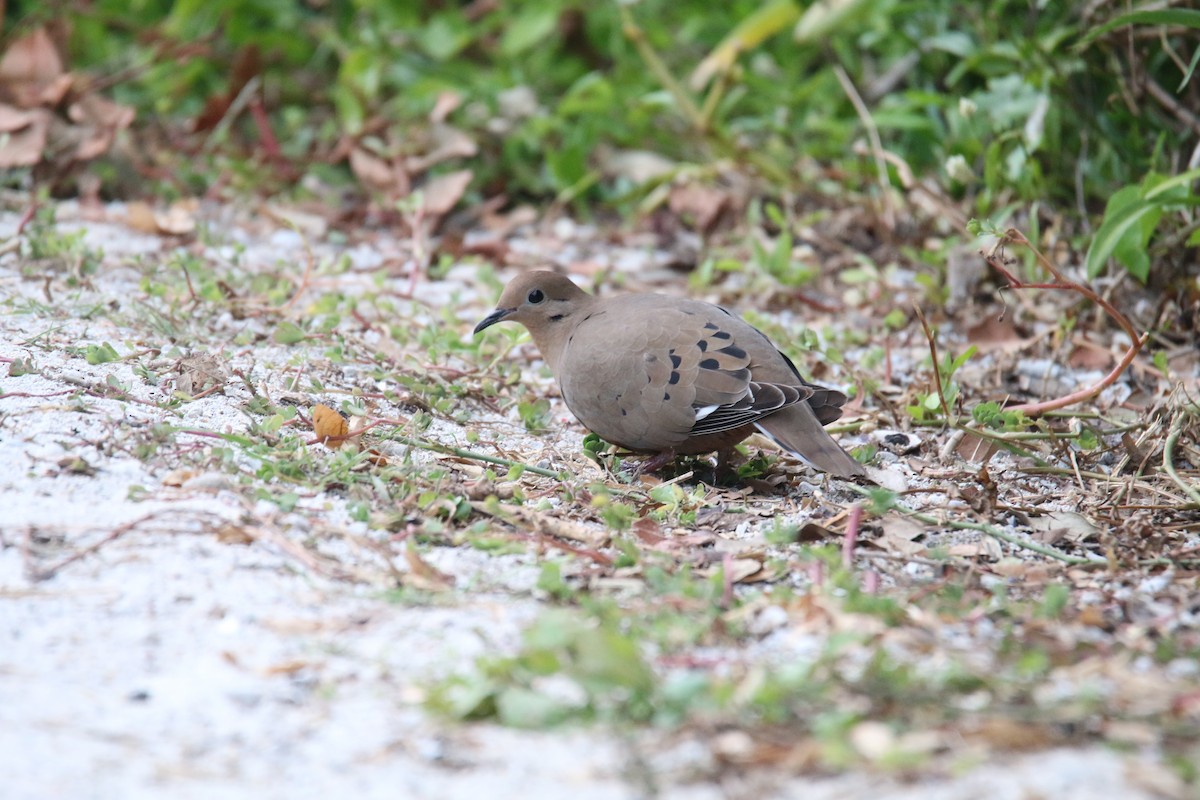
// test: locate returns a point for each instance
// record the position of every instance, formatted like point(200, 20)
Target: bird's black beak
point(491, 319)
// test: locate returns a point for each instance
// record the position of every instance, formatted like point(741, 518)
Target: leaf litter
point(1041, 599)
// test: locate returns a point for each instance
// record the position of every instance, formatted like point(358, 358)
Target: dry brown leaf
point(1089, 355)
point(99, 120)
point(178, 477)
point(377, 174)
point(1058, 525)
point(287, 667)
point(451, 143)
point(31, 71)
point(443, 192)
point(327, 423)
point(140, 216)
point(422, 574)
point(996, 333)
point(376, 458)
point(230, 533)
point(1008, 734)
point(445, 105)
point(814, 532)
point(309, 224)
point(984, 548)
point(701, 205)
point(198, 373)
point(899, 535)
point(178, 220)
point(25, 135)
point(648, 531)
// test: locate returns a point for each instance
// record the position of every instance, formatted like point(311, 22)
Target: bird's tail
point(797, 430)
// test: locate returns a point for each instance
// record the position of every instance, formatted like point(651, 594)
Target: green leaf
point(526, 708)
point(288, 333)
point(534, 24)
point(1166, 16)
point(768, 20)
point(21, 366)
point(1114, 227)
point(101, 354)
point(1191, 70)
point(825, 17)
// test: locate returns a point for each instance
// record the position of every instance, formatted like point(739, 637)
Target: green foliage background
point(1034, 109)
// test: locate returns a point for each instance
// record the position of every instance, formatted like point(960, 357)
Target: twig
point(1136, 341)
point(933, 353)
point(45, 573)
point(436, 447)
point(864, 114)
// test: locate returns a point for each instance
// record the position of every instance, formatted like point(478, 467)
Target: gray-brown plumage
point(667, 375)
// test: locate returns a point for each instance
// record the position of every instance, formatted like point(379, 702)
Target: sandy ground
point(171, 662)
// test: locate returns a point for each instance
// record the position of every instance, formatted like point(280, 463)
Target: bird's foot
point(654, 463)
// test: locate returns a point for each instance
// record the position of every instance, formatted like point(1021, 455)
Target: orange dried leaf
point(329, 423)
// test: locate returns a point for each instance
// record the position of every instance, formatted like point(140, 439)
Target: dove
point(669, 376)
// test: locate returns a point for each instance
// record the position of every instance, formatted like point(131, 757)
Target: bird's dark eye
point(536, 296)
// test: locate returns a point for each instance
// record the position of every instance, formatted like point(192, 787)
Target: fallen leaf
point(178, 477)
point(1058, 525)
point(1089, 355)
point(648, 531)
point(984, 548)
point(423, 575)
point(443, 192)
point(451, 143)
point(327, 423)
point(230, 533)
point(996, 333)
point(178, 220)
point(287, 667)
point(377, 174)
point(24, 134)
point(444, 106)
point(813, 532)
point(1008, 734)
point(140, 216)
point(198, 373)
point(99, 121)
point(31, 70)
point(703, 206)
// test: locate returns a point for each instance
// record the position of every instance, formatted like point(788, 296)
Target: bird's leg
point(725, 469)
point(655, 462)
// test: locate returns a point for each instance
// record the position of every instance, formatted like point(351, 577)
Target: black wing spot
point(666, 397)
point(722, 335)
point(733, 351)
point(710, 363)
point(703, 345)
point(675, 360)
point(624, 413)
point(674, 378)
point(711, 326)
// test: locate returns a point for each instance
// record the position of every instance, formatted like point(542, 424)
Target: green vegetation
point(1007, 107)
